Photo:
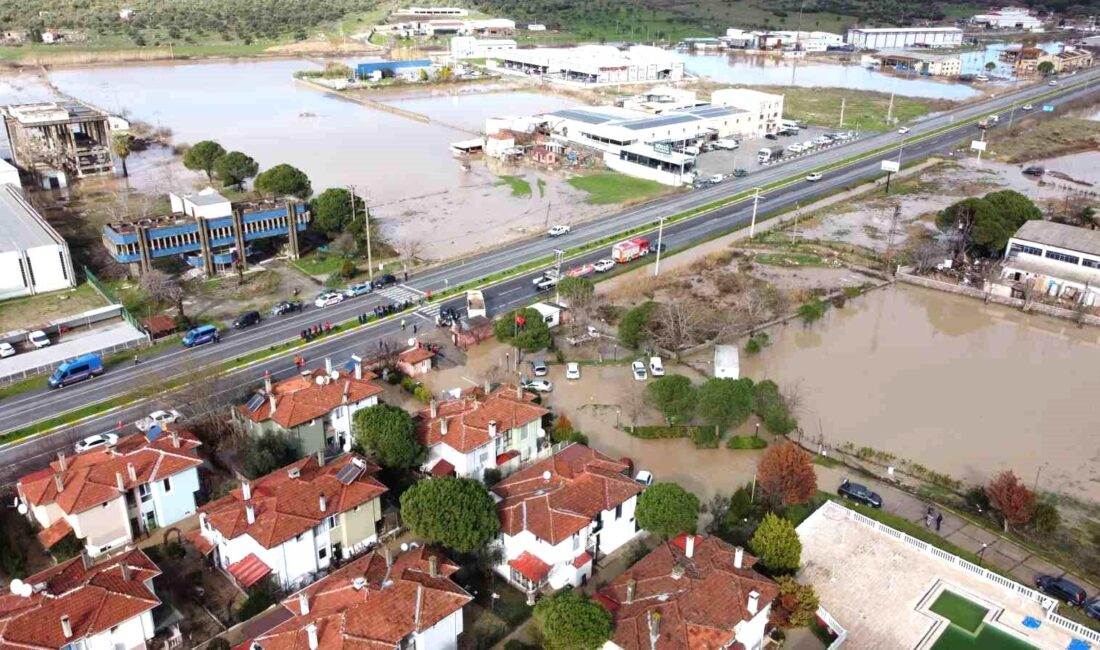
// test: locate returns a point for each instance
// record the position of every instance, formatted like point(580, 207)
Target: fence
point(838, 629)
point(1047, 603)
point(110, 296)
point(27, 373)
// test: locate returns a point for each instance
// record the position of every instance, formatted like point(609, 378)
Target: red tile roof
point(56, 532)
point(700, 609)
point(301, 399)
point(287, 502)
point(388, 605)
point(205, 546)
point(248, 571)
point(582, 484)
point(413, 356)
point(94, 599)
point(92, 478)
point(530, 566)
point(443, 468)
point(581, 560)
point(468, 417)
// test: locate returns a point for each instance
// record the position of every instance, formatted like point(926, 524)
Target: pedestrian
point(414, 328)
point(135, 359)
point(402, 324)
point(379, 344)
point(939, 521)
point(406, 276)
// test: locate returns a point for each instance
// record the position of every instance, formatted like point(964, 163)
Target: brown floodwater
point(961, 387)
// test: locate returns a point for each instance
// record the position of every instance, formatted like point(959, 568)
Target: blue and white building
point(1054, 259)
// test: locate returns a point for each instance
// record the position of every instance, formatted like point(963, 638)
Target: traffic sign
point(1048, 108)
point(977, 145)
point(891, 166)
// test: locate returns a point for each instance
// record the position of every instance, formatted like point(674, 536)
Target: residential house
point(314, 408)
point(691, 592)
point(415, 361)
point(1052, 259)
point(484, 428)
point(558, 515)
point(293, 521)
point(78, 605)
point(109, 496)
point(376, 602)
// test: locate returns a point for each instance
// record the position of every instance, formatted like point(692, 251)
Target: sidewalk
point(1001, 553)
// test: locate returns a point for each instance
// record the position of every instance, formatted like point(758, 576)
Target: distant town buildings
point(432, 11)
point(923, 63)
point(863, 38)
point(806, 41)
point(1053, 259)
point(1026, 60)
point(596, 64)
point(55, 139)
point(1018, 18)
point(469, 47)
point(34, 258)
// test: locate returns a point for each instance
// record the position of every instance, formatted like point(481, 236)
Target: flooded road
point(962, 388)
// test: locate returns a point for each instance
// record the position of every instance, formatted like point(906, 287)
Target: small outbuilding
point(727, 362)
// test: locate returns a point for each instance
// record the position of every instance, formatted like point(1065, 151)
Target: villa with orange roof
point(560, 514)
point(376, 602)
point(294, 521)
point(78, 605)
point(483, 429)
point(314, 408)
point(109, 496)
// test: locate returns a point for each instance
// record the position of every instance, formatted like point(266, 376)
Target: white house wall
point(553, 554)
point(179, 503)
point(618, 531)
point(751, 633)
point(443, 635)
point(641, 171)
point(129, 634)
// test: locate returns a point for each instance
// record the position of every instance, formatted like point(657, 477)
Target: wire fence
point(110, 296)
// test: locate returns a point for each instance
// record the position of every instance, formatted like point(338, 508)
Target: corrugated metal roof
point(1082, 240)
point(21, 227)
point(588, 117)
point(657, 122)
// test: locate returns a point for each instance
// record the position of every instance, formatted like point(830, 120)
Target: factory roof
point(21, 227)
point(654, 122)
point(1074, 238)
point(885, 30)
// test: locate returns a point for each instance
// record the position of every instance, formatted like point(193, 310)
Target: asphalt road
point(19, 411)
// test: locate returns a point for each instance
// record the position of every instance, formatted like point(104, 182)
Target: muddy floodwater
point(960, 387)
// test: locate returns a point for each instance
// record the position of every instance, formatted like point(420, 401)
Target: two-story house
point(484, 428)
point(314, 408)
point(109, 496)
point(376, 602)
point(558, 515)
point(293, 521)
point(691, 592)
point(78, 605)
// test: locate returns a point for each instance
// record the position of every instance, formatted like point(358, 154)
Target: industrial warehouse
point(862, 38)
point(33, 257)
point(595, 64)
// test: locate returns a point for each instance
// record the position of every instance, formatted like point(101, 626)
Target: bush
point(260, 599)
point(423, 394)
point(657, 433)
point(491, 477)
point(772, 408)
point(633, 324)
point(746, 442)
point(704, 437)
point(268, 453)
point(811, 311)
point(1046, 519)
point(756, 343)
point(674, 396)
point(409, 384)
point(348, 269)
point(218, 643)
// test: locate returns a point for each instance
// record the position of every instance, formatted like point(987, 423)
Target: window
point(322, 553)
point(484, 458)
point(145, 492)
point(1023, 248)
point(618, 511)
point(333, 522)
point(1092, 264)
point(1062, 257)
point(576, 541)
point(168, 485)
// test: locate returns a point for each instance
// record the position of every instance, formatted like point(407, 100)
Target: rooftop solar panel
point(588, 117)
point(255, 403)
point(348, 473)
point(656, 122)
point(709, 111)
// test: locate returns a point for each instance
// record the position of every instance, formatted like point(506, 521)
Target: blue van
point(200, 335)
point(82, 367)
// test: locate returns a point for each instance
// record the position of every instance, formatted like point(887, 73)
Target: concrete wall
point(641, 171)
point(751, 633)
point(103, 525)
point(172, 506)
point(128, 634)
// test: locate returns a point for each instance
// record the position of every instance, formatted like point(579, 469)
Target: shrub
point(746, 442)
point(851, 292)
point(772, 408)
point(775, 543)
point(1046, 519)
point(633, 324)
point(409, 384)
point(348, 269)
point(491, 477)
point(656, 433)
point(423, 394)
point(704, 437)
point(811, 311)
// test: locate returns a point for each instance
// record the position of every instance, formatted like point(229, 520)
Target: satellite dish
point(26, 590)
point(335, 374)
point(320, 380)
point(412, 342)
point(16, 586)
point(404, 547)
point(22, 508)
point(546, 475)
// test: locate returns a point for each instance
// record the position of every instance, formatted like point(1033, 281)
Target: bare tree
point(205, 401)
point(37, 149)
point(410, 250)
point(929, 253)
point(162, 287)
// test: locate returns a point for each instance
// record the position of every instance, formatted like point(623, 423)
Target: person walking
point(929, 517)
point(402, 324)
point(939, 521)
point(414, 328)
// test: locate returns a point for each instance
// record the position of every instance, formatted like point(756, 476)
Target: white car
point(645, 477)
point(538, 385)
point(656, 367)
point(1028, 107)
point(572, 370)
point(717, 178)
point(604, 265)
point(1052, 83)
point(558, 230)
point(795, 148)
point(726, 143)
point(903, 130)
point(6, 350)
point(329, 298)
point(814, 177)
point(638, 368)
point(39, 339)
point(159, 418)
point(96, 441)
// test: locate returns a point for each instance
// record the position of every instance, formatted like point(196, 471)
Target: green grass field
point(960, 611)
point(521, 189)
point(863, 111)
point(611, 187)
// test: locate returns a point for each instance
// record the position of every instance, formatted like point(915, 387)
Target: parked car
point(656, 366)
point(814, 177)
point(38, 339)
point(771, 136)
point(1028, 107)
point(604, 265)
point(384, 280)
point(639, 371)
point(358, 289)
point(538, 385)
point(159, 418)
point(903, 130)
point(538, 367)
point(1052, 83)
point(328, 298)
point(200, 335)
point(286, 307)
point(1062, 589)
point(558, 230)
point(572, 370)
point(691, 151)
point(727, 144)
point(740, 173)
point(96, 441)
point(717, 178)
point(1092, 608)
point(246, 319)
point(1034, 171)
point(6, 350)
point(645, 477)
point(859, 494)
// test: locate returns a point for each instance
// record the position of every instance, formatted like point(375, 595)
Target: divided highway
point(28, 408)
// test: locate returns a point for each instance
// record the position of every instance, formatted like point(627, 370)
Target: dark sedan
point(1062, 589)
point(859, 494)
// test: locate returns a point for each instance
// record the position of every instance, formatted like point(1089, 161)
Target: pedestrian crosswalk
point(400, 293)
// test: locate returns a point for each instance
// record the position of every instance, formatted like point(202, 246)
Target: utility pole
point(890, 235)
point(559, 255)
point(890, 110)
point(755, 203)
point(366, 225)
point(842, 100)
point(547, 221)
point(660, 235)
point(979, 150)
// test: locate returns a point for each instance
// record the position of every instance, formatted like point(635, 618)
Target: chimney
point(66, 628)
point(488, 387)
point(61, 461)
point(419, 606)
point(246, 491)
point(176, 439)
point(125, 571)
point(322, 503)
point(677, 571)
point(267, 382)
point(738, 557)
point(631, 588)
point(320, 457)
point(689, 546)
point(754, 602)
point(654, 624)
point(357, 363)
point(347, 387)
point(132, 471)
point(328, 366)
point(58, 482)
point(433, 408)
point(85, 560)
point(120, 482)
point(303, 604)
point(492, 428)
point(250, 514)
point(519, 392)
point(388, 555)
point(311, 632)
point(443, 426)
point(433, 566)
point(271, 402)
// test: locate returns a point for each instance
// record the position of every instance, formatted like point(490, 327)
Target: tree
point(633, 325)
point(796, 606)
point(284, 180)
point(123, 145)
point(1011, 498)
point(577, 292)
point(667, 510)
point(786, 474)
point(202, 156)
point(1014, 207)
point(159, 286)
point(772, 408)
point(523, 328)
point(985, 224)
point(990, 66)
point(332, 212)
point(234, 168)
point(1046, 519)
point(388, 433)
point(571, 621)
point(1045, 68)
point(775, 543)
point(725, 403)
point(458, 513)
point(673, 396)
point(268, 453)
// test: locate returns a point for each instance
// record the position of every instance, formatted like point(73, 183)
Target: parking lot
point(744, 157)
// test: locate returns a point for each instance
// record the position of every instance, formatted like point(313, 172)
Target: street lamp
point(755, 204)
point(981, 552)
